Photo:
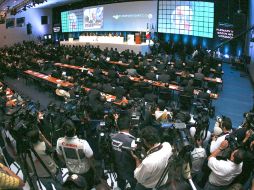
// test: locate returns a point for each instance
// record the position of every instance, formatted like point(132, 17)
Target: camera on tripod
point(137, 148)
point(135, 118)
point(22, 122)
point(201, 125)
point(178, 135)
point(200, 107)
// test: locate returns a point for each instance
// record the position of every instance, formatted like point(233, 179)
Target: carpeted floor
point(236, 96)
point(31, 91)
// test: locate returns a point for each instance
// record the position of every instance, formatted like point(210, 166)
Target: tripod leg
point(25, 170)
point(34, 170)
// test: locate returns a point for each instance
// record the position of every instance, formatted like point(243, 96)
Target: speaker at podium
point(138, 38)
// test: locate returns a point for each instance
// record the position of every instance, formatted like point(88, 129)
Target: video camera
point(137, 148)
point(177, 135)
point(233, 143)
point(201, 125)
point(21, 123)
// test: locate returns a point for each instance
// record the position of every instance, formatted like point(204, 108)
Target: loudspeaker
point(29, 28)
point(44, 19)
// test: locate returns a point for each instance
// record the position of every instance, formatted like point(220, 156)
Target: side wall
point(18, 34)
point(251, 34)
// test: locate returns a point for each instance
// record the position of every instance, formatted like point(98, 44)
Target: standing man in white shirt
point(226, 128)
point(224, 171)
point(150, 169)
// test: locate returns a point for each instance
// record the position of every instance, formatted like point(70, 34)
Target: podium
point(138, 38)
point(130, 39)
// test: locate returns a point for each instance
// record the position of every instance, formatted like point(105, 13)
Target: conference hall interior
point(127, 94)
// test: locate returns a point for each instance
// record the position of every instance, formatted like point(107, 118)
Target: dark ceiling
point(4, 4)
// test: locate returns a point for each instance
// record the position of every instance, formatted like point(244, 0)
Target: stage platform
point(143, 48)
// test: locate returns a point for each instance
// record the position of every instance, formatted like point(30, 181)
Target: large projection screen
point(128, 16)
point(194, 18)
point(93, 18)
point(72, 21)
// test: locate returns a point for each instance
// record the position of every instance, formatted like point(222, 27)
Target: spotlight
point(239, 11)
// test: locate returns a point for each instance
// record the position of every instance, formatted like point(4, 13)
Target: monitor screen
point(10, 22)
point(20, 22)
point(128, 16)
point(72, 21)
point(224, 31)
point(93, 18)
point(194, 18)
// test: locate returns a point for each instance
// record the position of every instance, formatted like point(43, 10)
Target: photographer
point(41, 145)
point(248, 163)
point(224, 171)
point(123, 160)
point(226, 128)
point(76, 153)
point(150, 169)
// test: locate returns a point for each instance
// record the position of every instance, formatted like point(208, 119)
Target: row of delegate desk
point(208, 79)
point(12, 101)
point(66, 84)
point(135, 79)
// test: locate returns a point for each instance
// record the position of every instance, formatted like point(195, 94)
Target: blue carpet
point(236, 96)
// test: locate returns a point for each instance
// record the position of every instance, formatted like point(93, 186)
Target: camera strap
point(155, 149)
point(128, 134)
point(224, 133)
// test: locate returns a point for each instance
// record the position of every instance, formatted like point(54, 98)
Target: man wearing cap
point(76, 153)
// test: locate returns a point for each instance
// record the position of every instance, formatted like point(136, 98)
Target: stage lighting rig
point(24, 5)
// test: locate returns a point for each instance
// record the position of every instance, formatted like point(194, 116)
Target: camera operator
point(198, 156)
point(226, 128)
point(123, 160)
point(76, 153)
point(40, 144)
point(224, 171)
point(247, 143)
point(150, 169)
